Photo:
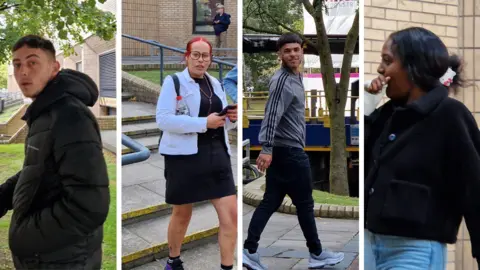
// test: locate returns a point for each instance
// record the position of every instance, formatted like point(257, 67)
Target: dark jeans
point(288, 174)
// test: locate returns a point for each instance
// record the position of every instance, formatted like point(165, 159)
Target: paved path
point(109, 140)
point(282, 245)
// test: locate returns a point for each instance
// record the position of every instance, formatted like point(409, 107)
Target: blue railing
point(141, 153)
point(162, 47)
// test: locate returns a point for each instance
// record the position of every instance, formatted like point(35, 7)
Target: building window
point(203, 13)
point(79, 66)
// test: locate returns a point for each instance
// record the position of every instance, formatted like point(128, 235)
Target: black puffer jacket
point(60, 198)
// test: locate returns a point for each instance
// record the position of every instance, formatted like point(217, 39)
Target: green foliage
point(63, 22)
point(3, 75)
point(266, 16)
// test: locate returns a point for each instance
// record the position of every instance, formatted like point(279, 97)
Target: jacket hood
point(77, 84)
point(67, 83)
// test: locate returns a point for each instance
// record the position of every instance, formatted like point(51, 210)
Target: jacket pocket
point(406, 201)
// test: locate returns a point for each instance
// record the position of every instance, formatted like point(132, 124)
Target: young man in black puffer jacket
point(60, 198)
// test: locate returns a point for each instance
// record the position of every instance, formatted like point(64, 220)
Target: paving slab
point(154, 231)
point(205, 257)
point(109, 140)
point(282, 245)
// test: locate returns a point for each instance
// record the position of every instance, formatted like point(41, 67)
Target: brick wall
point(383, 17)
point(168, 22)
point(143, 90)
point(107, 122)
point(469, 48)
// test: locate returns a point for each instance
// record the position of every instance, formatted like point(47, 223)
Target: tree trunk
point(338, 154)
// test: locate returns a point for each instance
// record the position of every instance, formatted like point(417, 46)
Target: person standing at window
point(220, 25)
point(197, 151)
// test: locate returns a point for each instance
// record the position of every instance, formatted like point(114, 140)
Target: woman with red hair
point(197, 151)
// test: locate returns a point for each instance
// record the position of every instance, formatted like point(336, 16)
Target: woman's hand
point(232, 114)
point(215, 121)
point(377, 84)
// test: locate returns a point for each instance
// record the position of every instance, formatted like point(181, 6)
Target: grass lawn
point(7, 113)
point(327, 198)
point(154, 75)
point(11, 160)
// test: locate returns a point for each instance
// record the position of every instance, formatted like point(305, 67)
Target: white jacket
point(180, 131)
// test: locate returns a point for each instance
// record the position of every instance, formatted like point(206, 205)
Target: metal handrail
point(246, 163)
point(246, 144)
point(163, 47)
point(141, 153)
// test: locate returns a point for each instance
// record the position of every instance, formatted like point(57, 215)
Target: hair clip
point(447, 78)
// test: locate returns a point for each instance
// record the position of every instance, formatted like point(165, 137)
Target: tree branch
point(258, 30)
point(348, 54)
point(309, 7)
point(5, 6)
point(286, 27)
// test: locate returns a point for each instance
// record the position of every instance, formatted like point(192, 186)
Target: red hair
point(196, 39)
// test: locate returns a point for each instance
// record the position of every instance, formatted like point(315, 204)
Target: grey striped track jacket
point(284, 121)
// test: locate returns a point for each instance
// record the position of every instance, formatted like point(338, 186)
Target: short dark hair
point(288, 38)
point(35, 42)
point(425, 58)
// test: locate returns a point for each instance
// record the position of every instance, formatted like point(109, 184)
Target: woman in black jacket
point(422, 161)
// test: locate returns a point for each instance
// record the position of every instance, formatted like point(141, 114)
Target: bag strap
point(176, 83)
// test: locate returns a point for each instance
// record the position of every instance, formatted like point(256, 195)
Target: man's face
point(33, 69)
point(220, 11)
point(291, 55)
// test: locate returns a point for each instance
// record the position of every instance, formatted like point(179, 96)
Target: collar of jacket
point(66, 83)
point(422, 106)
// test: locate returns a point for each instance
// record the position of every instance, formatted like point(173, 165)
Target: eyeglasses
point(197, 55)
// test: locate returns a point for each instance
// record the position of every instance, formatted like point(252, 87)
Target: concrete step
point(146, 240)
point(145, 129)
point(202, 257)
point(151, 142)
point(131, 110)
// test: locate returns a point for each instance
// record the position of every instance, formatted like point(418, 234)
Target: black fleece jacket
point(60, 198)
point(422, 170)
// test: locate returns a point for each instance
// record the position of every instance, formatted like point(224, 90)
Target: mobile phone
point(225, 110)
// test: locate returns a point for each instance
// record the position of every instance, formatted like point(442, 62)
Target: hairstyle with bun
point(426, 58)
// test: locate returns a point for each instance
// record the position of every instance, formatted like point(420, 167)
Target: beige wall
point(168, 22)
point(457, 22)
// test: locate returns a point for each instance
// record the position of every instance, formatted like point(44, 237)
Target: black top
point(422, 170)
point(206, 90)
point(64, 176)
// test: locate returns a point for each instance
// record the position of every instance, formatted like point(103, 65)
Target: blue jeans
point(384, 252)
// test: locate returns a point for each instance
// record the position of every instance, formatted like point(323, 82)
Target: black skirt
point(203, 176)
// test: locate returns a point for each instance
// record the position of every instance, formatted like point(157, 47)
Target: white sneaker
point(252, 261)
point(325, 258)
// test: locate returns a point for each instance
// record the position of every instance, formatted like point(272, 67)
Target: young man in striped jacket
point(282, 136)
